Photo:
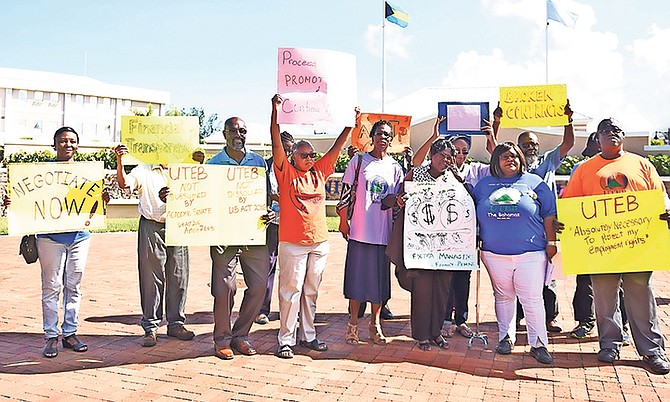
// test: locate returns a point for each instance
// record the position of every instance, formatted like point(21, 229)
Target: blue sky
point(221, 55)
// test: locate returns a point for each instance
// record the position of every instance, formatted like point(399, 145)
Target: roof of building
point(76, 84)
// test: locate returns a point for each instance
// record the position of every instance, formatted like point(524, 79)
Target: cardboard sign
point(533, 106)
point(462, 118)
point(360, 136)
point(213, 205)
point(614, 233)
point(160, 139)
point(440, 226)
point(318, 86)
point(55, 197)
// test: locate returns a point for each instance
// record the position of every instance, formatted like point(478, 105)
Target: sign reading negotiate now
point(55, 197)
point(160, 139)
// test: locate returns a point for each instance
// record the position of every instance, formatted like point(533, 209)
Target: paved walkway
point(117, 368)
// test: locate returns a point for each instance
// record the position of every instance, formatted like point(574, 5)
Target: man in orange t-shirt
point(617, 171)
point(303, 234)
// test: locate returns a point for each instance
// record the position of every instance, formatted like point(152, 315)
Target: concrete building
point(33, 104)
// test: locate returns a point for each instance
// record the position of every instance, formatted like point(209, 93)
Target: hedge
point(661, 162)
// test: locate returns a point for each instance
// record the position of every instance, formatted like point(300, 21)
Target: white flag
point(557, 11)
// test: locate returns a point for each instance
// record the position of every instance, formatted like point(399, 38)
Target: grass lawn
point(130, 225)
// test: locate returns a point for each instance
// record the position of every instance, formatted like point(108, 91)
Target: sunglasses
point(612, 129)
point(463, 152)
point(305, 155)
point(242, 130)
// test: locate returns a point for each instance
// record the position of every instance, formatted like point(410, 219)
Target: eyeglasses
point(242, 130)
point(529, 144)
point(506, 157)
point(305, 155)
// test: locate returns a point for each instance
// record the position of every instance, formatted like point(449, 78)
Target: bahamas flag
point(396, 15)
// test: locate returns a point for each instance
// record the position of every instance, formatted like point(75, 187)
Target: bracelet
point(552, 243)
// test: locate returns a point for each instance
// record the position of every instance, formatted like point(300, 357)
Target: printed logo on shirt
point(614, 183)
point(504, 203)
point(377, 189)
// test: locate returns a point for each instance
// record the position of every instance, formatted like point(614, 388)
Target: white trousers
point(519, 276)
point(300, 270)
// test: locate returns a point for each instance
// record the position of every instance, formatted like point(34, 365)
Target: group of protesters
point(516, 249)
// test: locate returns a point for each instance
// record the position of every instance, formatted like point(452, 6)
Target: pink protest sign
point(300, 71)
point(318, 86)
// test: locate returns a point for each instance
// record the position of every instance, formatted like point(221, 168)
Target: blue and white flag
point(557, 11)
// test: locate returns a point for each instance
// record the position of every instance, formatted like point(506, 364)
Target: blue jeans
point(62, 268)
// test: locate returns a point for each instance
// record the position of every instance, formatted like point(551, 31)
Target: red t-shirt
point(302, 202)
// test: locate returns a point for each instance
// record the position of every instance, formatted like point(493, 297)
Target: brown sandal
point(376, 335)
point(352, 334)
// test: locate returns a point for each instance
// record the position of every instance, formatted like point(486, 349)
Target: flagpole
point(383, 53)
point(546, 49)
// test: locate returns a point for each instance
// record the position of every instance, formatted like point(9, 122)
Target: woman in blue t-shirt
point(62, 259)
point(515, 211)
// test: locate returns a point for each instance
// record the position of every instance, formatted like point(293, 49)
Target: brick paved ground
point(117, 368)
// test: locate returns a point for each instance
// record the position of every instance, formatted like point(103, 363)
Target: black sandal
point(317, 345)
point(284, 352)
point(51, 348)
point(76, 345)
point(425, 346)
point(441, 342)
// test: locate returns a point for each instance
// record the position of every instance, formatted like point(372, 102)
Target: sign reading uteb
point(318, 86)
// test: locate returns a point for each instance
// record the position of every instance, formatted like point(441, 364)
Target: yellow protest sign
point(213, 205)
point(614, 233)
point(360, 136)
point(533, 106)
point(160, 139)
point(55, 197)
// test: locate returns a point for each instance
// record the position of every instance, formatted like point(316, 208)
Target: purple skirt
point(367, 273)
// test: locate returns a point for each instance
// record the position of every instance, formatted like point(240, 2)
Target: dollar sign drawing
point(451, 214)
point(428, 213)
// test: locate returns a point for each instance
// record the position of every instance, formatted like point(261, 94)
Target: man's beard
point(530, 159)
point(237, 144)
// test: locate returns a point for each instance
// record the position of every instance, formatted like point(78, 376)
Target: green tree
point(208, 124)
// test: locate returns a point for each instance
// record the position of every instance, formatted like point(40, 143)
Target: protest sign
point(360, 136)
point(462, 118)
point(318, 86)
point(533, 106)
point(440, 226)
point(55, 197)
point(160, 139)
point(614, 233)
point(212, 205)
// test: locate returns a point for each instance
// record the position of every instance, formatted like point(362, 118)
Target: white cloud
point(601, 80)
point(653, 51)
point(396, 39)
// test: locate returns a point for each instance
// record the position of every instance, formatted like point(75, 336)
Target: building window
point(53, 97)
point(23, 94)
point(79, 99)
point(93, 101)
point(39, 95)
